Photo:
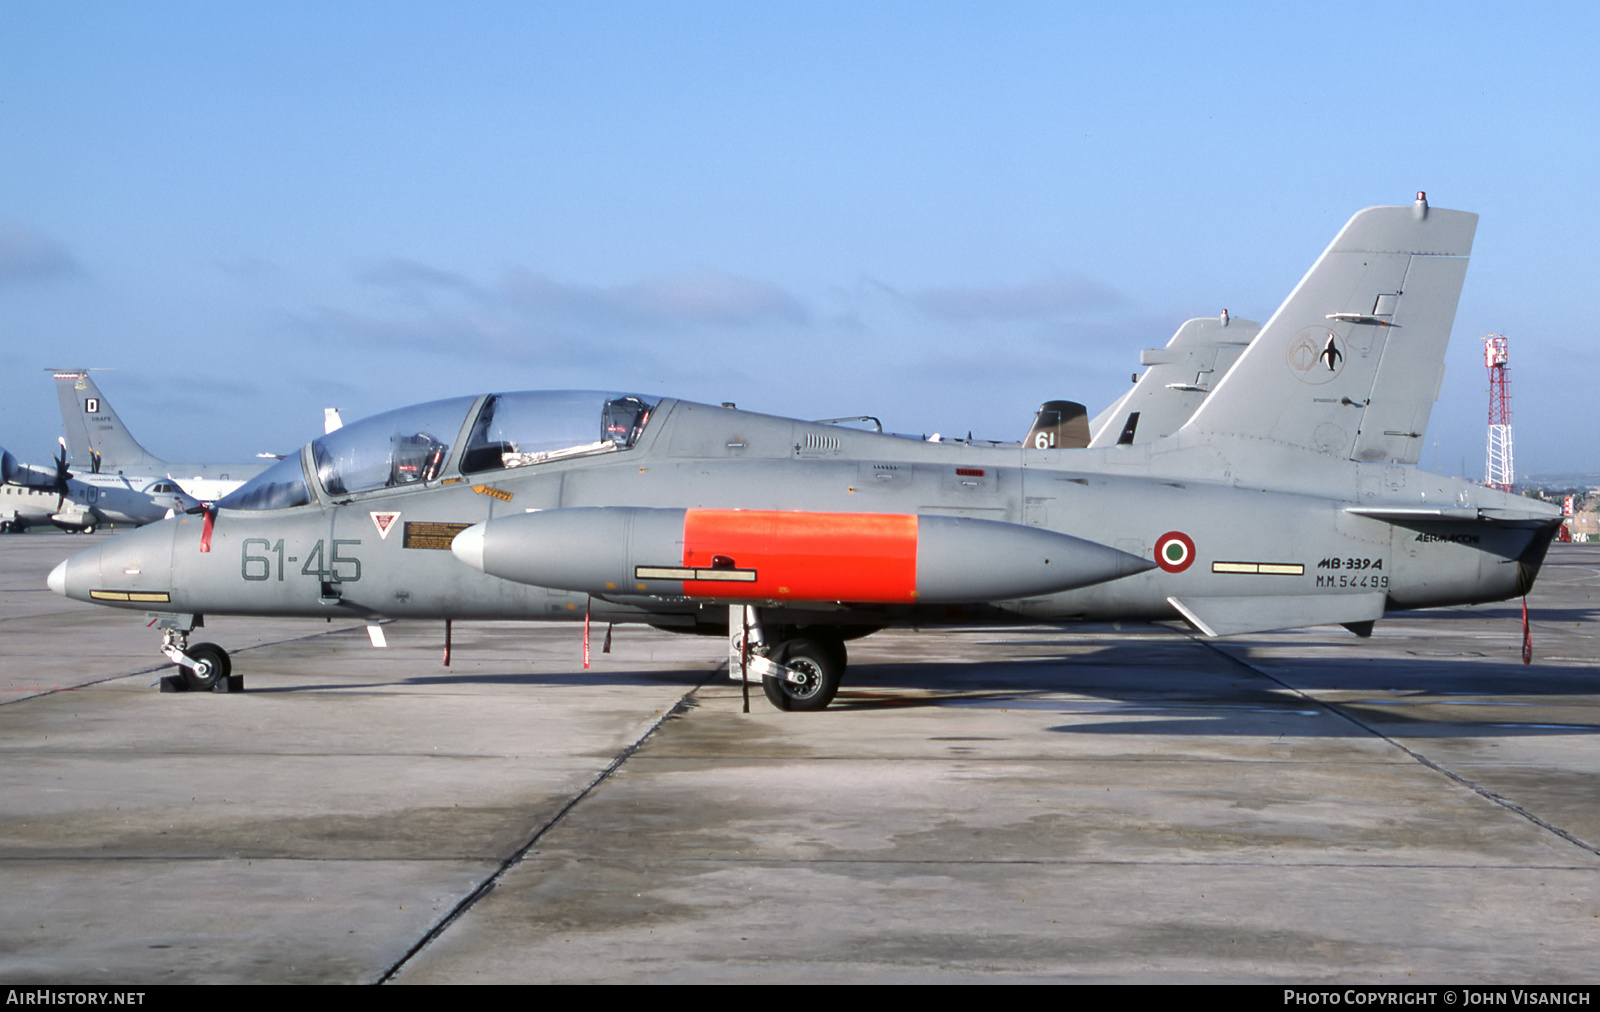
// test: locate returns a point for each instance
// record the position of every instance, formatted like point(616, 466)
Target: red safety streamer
point(205, 529)
point(447, 643)
point(1527, 635)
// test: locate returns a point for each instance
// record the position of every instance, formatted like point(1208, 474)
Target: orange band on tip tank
point(867, 557)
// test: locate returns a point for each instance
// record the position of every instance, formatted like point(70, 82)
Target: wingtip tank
point(746, 555)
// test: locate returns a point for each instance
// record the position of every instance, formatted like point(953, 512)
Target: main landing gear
point(202, 667)
point(799, 668)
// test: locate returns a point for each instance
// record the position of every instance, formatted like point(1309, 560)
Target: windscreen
point(407, 446)
point(278, 487)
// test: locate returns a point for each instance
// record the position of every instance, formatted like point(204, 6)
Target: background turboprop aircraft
point(32, 496)
point(99, 443)
point(1290, 497)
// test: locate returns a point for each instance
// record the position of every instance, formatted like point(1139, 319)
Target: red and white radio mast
point(1498, 471)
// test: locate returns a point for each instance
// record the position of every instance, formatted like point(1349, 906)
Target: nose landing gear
point(202, 667)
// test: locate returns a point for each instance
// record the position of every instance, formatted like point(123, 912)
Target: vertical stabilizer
point(1350, 365)
point(1176, 380)
point(96, 437)
point(1059, 425)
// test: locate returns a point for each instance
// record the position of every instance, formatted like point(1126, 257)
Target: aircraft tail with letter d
point(96, 437)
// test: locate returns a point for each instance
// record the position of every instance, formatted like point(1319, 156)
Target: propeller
point(62, 473)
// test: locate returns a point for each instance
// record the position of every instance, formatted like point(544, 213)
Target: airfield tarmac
point(1027, 804)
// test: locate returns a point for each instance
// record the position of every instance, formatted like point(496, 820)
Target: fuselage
point(384, 551)
point(86, 501)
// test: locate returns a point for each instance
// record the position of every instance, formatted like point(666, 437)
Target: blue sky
point(938, 213)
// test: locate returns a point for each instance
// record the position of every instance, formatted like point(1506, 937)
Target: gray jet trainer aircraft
point(1289, 497)
point(1176, 382)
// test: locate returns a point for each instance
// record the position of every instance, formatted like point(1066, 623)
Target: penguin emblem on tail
point(1330, 355)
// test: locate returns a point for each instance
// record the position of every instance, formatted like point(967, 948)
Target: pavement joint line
point(235, 858)
point(1102, 862)
point(487, 886)
point(17, 859)
point(723, 760)
point(159, 667)
point(1339, 711)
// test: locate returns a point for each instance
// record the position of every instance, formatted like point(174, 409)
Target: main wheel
point(827, 637)
point(817, 664)
point(212, 665)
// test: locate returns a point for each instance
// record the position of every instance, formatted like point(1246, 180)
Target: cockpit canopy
point(515, 430)
point(396, 448)
point(412, 446)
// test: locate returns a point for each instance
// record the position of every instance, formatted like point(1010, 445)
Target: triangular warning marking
point(384, 521)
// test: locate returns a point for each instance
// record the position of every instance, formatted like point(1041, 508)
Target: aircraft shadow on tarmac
point(1220, 696)
point(688, 678)
point(1537, 616)
point(1155, 684)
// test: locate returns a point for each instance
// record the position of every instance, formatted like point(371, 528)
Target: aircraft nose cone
point(76, 574)
point(468, 546)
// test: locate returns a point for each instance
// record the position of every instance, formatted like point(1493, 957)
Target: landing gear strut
point(202, 667)
point(799, 670)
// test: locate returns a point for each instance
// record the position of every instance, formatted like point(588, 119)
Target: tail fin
point(1176, 379)
point(1350, 365)
point(96, 437)
point(1059, 425)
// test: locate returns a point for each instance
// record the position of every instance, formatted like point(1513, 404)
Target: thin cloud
point(1049, 297)
point(444, 335)
point(26, 255)
point(698, 298)
point(412, 280)
point(245, 268)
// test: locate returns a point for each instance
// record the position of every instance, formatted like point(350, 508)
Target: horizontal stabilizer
point(1424, 514)
point(1231, 616)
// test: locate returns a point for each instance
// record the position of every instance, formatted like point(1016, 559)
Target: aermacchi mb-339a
point(1288, 497)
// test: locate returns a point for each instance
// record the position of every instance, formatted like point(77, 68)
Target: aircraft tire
point(818, 662)
point(214, 666)
point(841, 656)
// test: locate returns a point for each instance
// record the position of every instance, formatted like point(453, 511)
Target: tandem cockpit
point(414, 446)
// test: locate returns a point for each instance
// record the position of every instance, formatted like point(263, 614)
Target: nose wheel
point(202, 667)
